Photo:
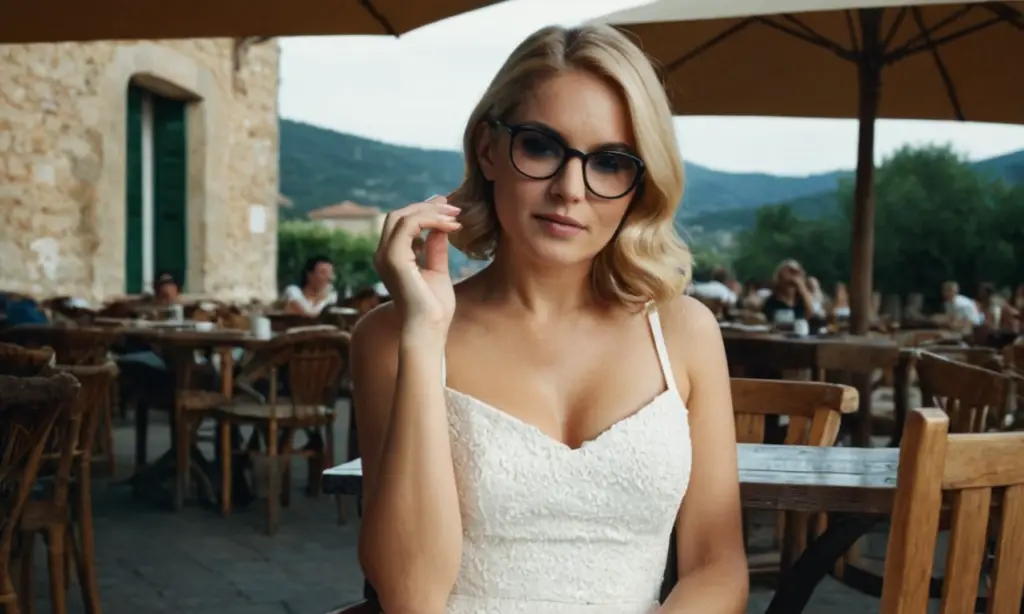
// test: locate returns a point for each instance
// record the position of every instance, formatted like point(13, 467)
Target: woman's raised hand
point(424, 295)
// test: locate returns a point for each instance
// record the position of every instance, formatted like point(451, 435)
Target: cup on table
point(801, 328)
point(261, 327)
point(204, 327)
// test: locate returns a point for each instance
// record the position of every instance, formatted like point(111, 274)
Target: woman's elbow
point(404, 586)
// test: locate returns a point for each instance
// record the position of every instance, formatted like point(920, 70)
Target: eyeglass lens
point(608, 174)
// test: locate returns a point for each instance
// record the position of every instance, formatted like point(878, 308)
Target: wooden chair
point(29, 408)
point(972, 396)
point(81, 346)
point(315, 360)
point(64, 514)
point(981, 475)
point(18, 361)
point(1013, 364)
point(814, 411)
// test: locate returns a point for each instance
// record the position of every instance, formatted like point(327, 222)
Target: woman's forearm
point(719, 587)
point(410, 542)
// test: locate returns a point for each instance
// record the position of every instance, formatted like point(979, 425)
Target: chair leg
point(108, 435)
point(25, 593)
point(8, 596)
point(85, 562)
point(56, 536)
point(273, 478)
point(182, 463)
point(288, 444)
point(226, 449)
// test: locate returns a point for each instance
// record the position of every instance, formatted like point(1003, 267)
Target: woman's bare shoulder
point(687, 321)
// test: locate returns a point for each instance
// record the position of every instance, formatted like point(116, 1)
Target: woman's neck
point(542, 290)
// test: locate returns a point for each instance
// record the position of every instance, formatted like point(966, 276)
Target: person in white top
point(716, 289)
point(961, 310)
point(316, 291)
point(528, 434)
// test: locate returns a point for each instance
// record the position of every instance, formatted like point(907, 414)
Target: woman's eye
point(539, 146)
point(608, 163)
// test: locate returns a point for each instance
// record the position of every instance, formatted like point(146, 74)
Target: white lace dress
point(553, 530)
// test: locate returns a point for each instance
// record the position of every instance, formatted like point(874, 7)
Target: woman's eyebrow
point(610, 146)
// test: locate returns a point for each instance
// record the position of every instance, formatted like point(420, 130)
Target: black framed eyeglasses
point(541, 154)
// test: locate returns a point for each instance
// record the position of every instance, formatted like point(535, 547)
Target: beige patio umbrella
point(910, 59)
point(26, 21)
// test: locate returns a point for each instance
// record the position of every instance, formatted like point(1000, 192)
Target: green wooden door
point(170, 189)
point(133, 188)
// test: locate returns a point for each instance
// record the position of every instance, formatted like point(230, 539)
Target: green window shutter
point(170, 189)
point(133, 190)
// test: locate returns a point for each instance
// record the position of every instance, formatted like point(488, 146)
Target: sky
point(419, 89)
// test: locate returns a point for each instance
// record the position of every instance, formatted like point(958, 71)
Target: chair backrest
point(29, 407)
point(19, 361)
point(73, 345)
point(967, 393)
point(814, 409)
point(981, 475)
point(96, 382)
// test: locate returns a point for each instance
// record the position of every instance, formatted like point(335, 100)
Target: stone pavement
point(154, 561)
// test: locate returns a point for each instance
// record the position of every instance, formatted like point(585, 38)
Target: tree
point(936, 220)
point(352, 255)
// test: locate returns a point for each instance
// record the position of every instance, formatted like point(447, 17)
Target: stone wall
point(62, 162)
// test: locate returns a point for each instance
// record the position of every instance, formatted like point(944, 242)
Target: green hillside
point(320, 167)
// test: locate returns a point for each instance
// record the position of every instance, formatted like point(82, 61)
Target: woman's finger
point(435, 204)
point(435, 257)
point(411, 226)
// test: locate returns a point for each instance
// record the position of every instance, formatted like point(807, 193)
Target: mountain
point(320, 167)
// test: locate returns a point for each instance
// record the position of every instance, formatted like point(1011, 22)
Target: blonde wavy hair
point(646, 261)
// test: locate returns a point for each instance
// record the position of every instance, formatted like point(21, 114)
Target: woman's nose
point(569, 183)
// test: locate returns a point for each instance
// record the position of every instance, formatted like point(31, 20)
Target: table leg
point(901, 397)
point(797, 583)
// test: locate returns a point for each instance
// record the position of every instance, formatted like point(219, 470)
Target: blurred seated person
point(995, 309)
point(790, 299)
point(20, 310)
point(315, 290)
point(817, 296)
point(716, 290)
point(751, 297)
point(166, 289)
point(959, 311)
point(841, 302)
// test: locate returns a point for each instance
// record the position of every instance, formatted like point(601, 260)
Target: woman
point(791, 299)
point(841, 302)
point(316, 290)
point(529, 449)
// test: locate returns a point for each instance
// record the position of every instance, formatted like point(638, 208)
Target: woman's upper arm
point(709, 525)
point(374, 355)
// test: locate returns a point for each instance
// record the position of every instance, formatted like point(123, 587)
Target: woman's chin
point(558, 254)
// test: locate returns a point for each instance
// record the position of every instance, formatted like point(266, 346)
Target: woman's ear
point(486, 146)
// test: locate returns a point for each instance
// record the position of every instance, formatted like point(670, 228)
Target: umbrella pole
point(862, 245)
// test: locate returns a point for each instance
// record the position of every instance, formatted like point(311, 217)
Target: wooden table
point(857, 486)
point(177, 346)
